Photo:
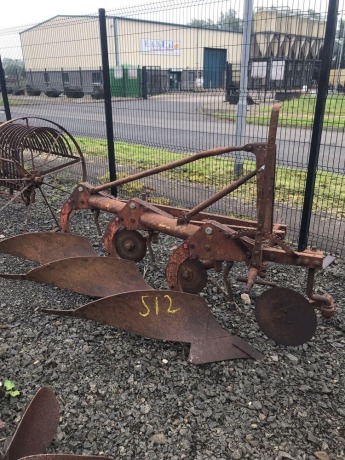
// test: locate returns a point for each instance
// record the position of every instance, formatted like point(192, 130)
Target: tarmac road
point(179, 122)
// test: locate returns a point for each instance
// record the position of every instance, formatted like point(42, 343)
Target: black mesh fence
point(178, 72)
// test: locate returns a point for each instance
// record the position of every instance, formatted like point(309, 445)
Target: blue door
point(214, 67)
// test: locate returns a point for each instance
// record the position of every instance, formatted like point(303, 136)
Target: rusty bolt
point(129, 245)
point(207, 247)
point(191, 245)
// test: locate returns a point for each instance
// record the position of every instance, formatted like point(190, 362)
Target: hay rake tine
point(30, 144)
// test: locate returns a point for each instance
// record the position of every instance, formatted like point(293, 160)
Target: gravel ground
point(135, 398)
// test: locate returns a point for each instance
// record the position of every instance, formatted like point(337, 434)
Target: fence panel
point(175, 77)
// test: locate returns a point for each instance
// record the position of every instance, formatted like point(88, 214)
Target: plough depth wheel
point(192, 276)
point(130, 245)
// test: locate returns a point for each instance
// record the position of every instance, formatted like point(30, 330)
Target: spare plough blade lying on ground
point(167, 315)
point(209, 241)
point(36, 431)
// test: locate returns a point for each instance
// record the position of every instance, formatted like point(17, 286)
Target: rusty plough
point(36, 431)
point(208, 241)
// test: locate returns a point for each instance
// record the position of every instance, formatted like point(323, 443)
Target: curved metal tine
point(49, 207)
point(51, 148)
point(19, 167)
point(30, 147)
point(36, 428)
point(14, 198)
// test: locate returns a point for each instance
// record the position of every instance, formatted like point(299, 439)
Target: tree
point(226, 21)
point(202, 23)
point(230, 21)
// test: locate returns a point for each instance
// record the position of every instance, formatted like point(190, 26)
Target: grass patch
point(13, 102)
point(217, 172)
point(296, 113)
point(135, 189)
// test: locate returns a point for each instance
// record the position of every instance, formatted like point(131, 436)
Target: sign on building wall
point(277, 70)
point(118, 73)
point(155, 46)
point(259, 69)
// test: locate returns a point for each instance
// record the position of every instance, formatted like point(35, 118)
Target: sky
point(25, 13)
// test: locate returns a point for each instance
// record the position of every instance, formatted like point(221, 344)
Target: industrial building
point(65, 51)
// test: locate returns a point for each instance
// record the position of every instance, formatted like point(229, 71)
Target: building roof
point(95, 17)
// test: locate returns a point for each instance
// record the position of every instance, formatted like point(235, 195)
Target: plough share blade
point(91, 276)
point(167, 315)
point(44, 247)
point(36, 431)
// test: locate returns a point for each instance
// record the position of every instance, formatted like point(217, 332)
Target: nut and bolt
point(131, 205)
point(208, 230)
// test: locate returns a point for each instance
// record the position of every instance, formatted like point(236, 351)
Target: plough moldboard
point(36, 431)
point(209, 241)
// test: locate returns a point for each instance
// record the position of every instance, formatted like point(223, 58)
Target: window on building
point(46, 78)
point(96, 78)
point(65, 78)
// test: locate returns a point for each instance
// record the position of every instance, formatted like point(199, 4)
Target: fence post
point(4, 92)
point(144, 82)
point(107, 98)
point(326, 61)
